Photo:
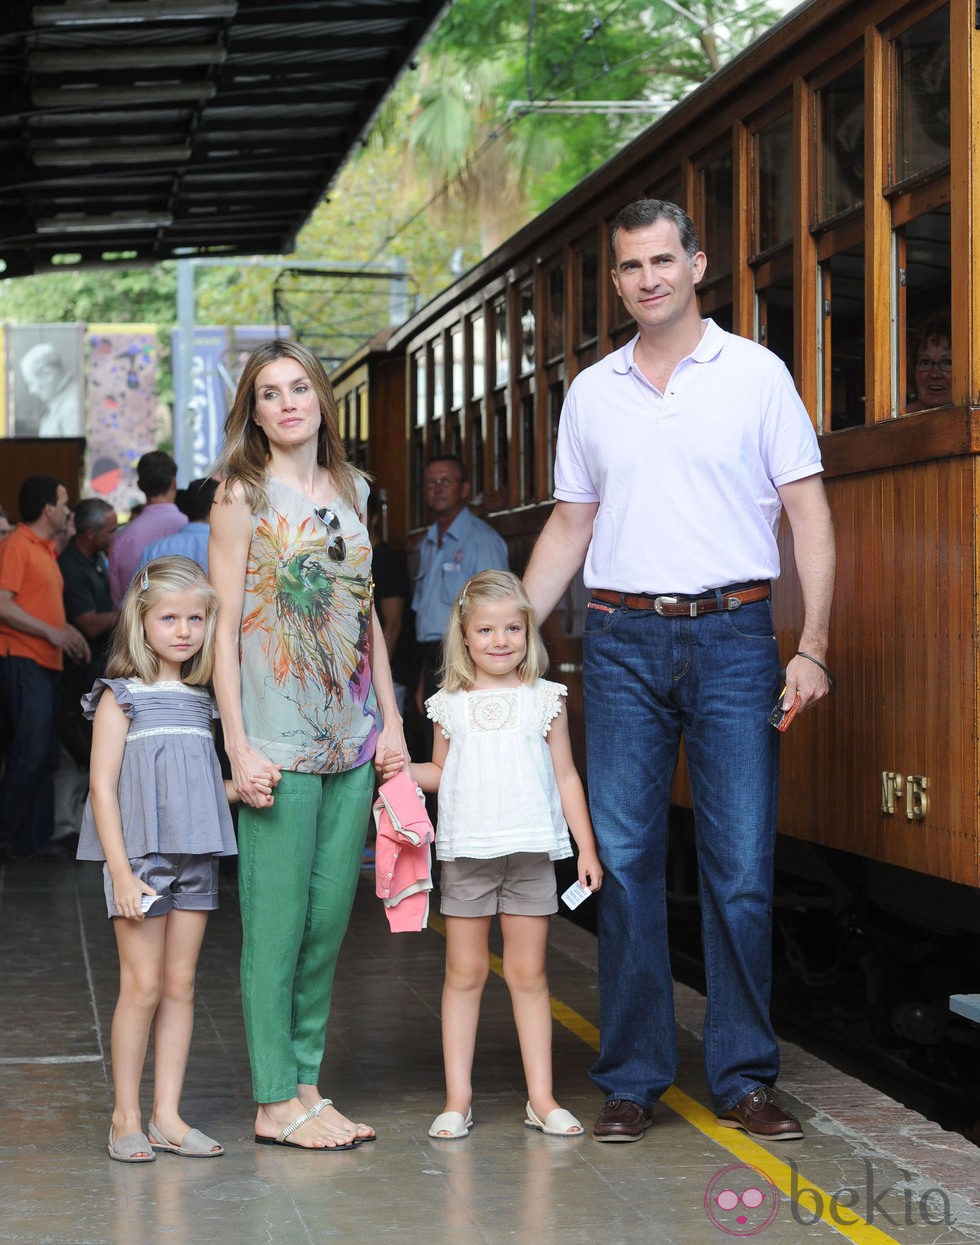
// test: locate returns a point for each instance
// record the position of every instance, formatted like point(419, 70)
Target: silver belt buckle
point(658, 602)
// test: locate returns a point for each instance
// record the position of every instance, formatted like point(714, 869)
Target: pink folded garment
point(402, 854)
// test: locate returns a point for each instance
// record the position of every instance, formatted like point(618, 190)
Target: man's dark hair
point(643, 212)
point(35, 493)
point(450, 458)
point(90, 514)
point(155, 473)
point(196, 499)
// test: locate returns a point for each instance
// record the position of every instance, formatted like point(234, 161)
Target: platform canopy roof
point(151, 129)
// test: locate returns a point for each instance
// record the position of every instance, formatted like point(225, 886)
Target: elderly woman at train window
point(931, 365)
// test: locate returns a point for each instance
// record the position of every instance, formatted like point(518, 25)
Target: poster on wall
point(218, 354)
point(200, 414)
point(45, 385)
point(121, 398)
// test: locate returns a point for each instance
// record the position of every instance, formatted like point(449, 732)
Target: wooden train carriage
point(831, 169)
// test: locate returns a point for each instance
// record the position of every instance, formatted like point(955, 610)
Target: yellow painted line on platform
point(791, 1184)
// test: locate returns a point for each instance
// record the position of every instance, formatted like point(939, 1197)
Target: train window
point(526, 296)
point(476, 454)
point(587, 265)
point(478, 349)
point(362, 414)
point(922, 106)
point(556, 397)
point(438, 379)
point(456, 366)
point(774, 183)
point(923, 250)
point(502, 361)
point(418, 389)
point(840, 167)
point(842, 403)
point(723, 316)
point(775, 317)
point(418, 469)
point(555, 316)
point(527, 446)
point(715, 215)
point(501, 444)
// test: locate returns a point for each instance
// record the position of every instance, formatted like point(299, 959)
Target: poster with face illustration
point(44, 380)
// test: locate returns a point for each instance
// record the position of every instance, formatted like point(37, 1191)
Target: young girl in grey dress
point(158, 817)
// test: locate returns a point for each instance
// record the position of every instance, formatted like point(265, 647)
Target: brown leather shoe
point(760, 1115)
point(621, 1120)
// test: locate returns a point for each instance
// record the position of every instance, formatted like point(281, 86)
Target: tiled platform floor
point(863, 1158)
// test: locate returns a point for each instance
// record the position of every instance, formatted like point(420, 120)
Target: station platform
point(868, 1170)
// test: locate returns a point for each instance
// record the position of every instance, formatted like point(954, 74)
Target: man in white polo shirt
point(676, 455)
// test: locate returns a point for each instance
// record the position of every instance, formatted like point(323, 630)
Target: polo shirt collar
point(455, 529)
point(707, 349)
point(32, 536)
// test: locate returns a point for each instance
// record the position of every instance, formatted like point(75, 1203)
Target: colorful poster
point(121, 402)
point(44, 363)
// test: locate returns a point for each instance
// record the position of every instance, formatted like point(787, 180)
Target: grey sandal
point(193, 1145)
point(133, 1148)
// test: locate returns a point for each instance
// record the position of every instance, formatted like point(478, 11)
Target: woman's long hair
point(131, 656)
point(244, 456)
point(458, 670)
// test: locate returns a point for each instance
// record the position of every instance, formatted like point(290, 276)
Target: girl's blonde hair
point(458, 670)
point(245, 454)
point(131, 655)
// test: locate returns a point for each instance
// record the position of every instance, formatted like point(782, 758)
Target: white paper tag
point(575, 894)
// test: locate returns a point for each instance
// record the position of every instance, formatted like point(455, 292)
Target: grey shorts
point(522, 884)
point(182, 882)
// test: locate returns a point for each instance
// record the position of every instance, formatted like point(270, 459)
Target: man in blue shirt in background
point(455, 547)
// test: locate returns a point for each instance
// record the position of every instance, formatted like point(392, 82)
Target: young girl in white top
point(158, 816)
point(502, 764)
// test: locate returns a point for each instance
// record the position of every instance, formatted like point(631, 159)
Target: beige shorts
point(522, 884)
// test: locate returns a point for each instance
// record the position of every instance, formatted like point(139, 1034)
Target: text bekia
point(808, 1204)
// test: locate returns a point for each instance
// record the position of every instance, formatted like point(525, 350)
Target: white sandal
point(557, 1123)
point(451, 1125)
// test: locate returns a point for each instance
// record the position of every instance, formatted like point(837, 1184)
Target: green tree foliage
point(498, 76)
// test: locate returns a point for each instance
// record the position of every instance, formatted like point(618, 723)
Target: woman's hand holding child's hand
point(391, 763)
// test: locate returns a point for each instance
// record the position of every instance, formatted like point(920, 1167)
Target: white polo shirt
point(686, 479)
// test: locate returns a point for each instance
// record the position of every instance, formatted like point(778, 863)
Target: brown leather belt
point(679, 605)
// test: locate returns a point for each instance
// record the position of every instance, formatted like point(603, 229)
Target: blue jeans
point(648, 681)
point(30, 698)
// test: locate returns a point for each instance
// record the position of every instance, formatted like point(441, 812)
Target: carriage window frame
point(899, 181)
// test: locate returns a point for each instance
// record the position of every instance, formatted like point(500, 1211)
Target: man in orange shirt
point(34, 635)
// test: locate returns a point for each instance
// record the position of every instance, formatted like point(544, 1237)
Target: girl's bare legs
point(141, 955)
point(467, 968)
point(525, 949)
point(174, 1020)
